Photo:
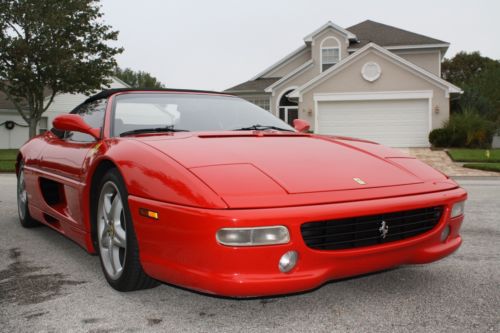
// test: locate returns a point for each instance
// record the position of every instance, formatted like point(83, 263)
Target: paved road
point(47, 283)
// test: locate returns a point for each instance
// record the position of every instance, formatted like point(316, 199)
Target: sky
point(217, 44)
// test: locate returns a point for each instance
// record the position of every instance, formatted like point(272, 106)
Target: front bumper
point(180, 247)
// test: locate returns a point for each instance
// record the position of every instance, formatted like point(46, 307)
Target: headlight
point(253, 236)
point(457, 209)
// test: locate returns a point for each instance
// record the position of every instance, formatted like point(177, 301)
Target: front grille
point(370, 230)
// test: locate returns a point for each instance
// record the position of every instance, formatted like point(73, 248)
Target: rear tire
point(117, 242)
point(22, 201)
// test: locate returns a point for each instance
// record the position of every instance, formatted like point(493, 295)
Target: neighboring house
point(18, 135)
point(369, 81)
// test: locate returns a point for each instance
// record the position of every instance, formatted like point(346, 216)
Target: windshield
point(190, 112)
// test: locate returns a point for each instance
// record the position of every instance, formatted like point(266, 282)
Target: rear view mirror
point(75, 123)
point(301, 125)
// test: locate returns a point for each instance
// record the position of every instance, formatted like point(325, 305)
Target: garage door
point(395, 123)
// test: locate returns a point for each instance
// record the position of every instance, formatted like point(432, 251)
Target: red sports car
point(207, 191)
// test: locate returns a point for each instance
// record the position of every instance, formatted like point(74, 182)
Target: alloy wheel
point(111, 230)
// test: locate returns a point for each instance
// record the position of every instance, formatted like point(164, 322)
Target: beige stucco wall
point(315, 69)
point(429, 61)
point(290, 65)
point(292, 83)
point(394, 78)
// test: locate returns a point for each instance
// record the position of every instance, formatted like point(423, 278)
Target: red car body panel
point(195, 260)
point(201, 182)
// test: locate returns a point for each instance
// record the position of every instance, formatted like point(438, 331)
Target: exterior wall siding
point(430, 61)
point(15, 137)
point(290, 65)
point(393, 79)
point(262, 100)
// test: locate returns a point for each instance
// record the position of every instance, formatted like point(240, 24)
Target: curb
point(496, 178)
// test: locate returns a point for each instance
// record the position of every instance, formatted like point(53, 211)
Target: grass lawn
point(484, 166)
point(8, 160)
point(474, 155)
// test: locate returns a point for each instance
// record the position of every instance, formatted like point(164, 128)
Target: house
point(370, 81)
point(15, 137)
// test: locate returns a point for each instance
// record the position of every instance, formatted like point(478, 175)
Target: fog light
point(288, 261)
point(457, 209)
point(253, 236)
point(445, 233)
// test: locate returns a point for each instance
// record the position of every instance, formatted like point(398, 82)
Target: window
point(329, 57)
point(93, 114)
point(190, 112)
point(263, 102)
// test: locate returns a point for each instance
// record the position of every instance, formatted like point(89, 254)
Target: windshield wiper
point(258, 127)
point(153, 130)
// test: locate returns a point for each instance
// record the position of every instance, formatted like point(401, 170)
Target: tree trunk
point(32, 127)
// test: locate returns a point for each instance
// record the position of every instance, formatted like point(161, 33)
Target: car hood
point(259, 164)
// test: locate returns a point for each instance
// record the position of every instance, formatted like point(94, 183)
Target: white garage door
point(395, 123)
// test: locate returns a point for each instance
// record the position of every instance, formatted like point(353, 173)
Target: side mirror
point(301, 125)
point(75, 123)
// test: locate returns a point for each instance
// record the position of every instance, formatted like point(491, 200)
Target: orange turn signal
point(148, 213)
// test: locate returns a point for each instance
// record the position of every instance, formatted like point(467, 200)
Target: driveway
point(49, 284)
point(440, 160)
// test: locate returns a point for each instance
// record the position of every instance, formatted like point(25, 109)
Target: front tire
point(117, 242)
point(22, 201)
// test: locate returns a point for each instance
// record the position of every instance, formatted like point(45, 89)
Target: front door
point(288, 114)
point(288, 109)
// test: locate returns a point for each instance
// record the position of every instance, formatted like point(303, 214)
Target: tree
point(138, 79)
point(50, 47)
point(479, 77)
point(464, 67)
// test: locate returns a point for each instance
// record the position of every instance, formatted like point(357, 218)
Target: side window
point(93, 114)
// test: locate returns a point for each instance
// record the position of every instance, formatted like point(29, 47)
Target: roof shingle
point(386, 35)
point(257, 85)
point(367, 31)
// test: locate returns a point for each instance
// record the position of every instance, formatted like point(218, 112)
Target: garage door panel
point(396, 123)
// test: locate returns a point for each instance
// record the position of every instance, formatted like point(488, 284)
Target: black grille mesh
point(363, 231)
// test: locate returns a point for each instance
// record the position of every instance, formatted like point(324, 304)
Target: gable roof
point(119, 81)
point(332, 25)
point(449, 88)
point(282, 61)
point(253, 86)
point(359, 35)
point(7, 104)
point(105, 93)
point(385, 35)
point(293, 73)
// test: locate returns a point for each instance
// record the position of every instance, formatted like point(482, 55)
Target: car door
point(66, 152)
point(63, 162)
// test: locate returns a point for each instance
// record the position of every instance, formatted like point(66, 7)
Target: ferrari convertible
point(209, 192)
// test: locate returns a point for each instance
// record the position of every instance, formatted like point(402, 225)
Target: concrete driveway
point(49, 284)
point(440, 160)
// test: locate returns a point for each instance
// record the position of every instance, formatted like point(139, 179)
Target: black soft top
point(108, 92)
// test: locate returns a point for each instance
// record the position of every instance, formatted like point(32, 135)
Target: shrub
point(440, 137)
point(465, 129)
